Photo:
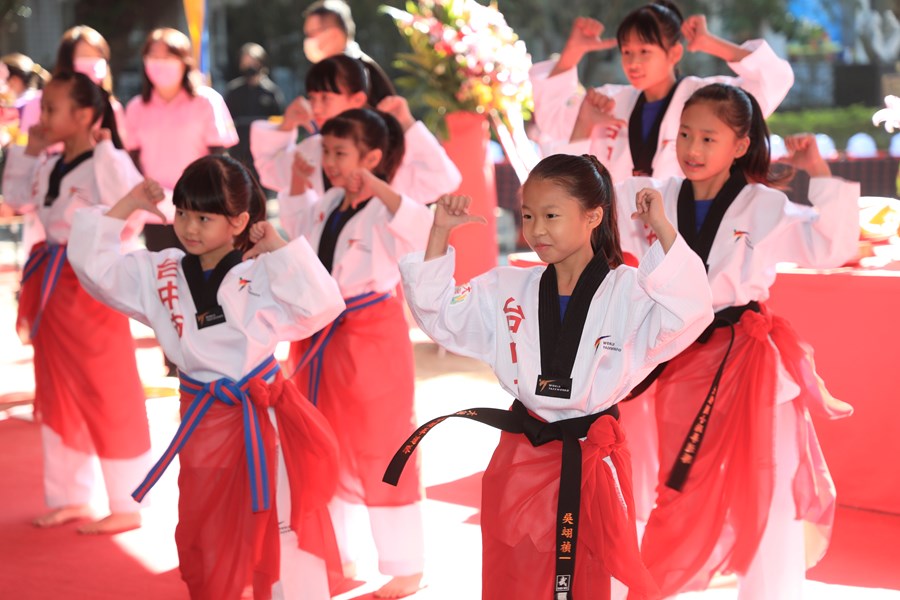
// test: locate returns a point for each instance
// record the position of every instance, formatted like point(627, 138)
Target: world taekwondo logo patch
point(607, 344)
point(743, 235)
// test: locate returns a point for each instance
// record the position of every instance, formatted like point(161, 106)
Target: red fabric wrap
point(87, 387)
point(366, 393)
point(224, 548)
point(716, 522)
point(519, 502)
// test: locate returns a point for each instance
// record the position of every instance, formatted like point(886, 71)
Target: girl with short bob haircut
point(175, 120)
point(252, 449)
point(568, 340)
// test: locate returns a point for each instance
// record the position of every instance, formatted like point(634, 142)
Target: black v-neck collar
point(560, 337)
point(701, 241)
point(333, 226)
point(204, 291)
point(643, 151)
point(60, 170)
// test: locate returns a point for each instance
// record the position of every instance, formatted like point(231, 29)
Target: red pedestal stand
point(476, 245)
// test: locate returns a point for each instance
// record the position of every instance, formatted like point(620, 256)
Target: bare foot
point(400, 586)
point(349, 569)
point(114, 523)
point(63, 515)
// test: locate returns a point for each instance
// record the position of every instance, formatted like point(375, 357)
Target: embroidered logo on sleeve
point(242, 283)
point(460, 294)
point(743, 235)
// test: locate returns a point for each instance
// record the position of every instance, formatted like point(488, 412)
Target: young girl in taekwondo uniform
point(361, 369)
point(643, 117)
point(87, 391)
point(334, 85)
point(219, 317)
point(569, 341)
point(740, 466)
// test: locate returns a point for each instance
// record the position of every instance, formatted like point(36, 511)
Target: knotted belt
point(55, 255)
point(319, 341)
point(232, 393)
point(538, 432)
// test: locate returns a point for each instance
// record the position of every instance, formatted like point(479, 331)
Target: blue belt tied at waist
point(55, 255)
point(319, 340)
point(232, 393)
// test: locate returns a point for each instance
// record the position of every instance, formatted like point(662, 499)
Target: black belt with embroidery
point(538, 432)
point(727, 317)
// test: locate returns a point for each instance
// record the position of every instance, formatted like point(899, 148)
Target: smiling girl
point(362, 377)
point(740, 468)
point(632, 128)
point(568, 341)
point(255, 457)
point(88, 396)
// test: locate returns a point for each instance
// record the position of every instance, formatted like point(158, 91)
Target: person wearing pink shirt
point(174, 121)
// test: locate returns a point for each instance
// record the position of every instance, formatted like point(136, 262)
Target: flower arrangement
point(463, 56)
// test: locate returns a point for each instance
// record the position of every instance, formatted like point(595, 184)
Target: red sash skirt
point(366, 392)
point(223, 546)
point(732, 477)
point(519, 503)
point(87, 387)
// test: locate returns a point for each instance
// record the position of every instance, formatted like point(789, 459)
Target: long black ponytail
point(87, 94)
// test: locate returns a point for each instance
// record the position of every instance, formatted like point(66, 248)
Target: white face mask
point(95, 68)
point(164, 73)
point(313, 50)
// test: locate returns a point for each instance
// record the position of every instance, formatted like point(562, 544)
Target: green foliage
point(839, 123)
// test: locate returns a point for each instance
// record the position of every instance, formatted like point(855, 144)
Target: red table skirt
point(852, 320)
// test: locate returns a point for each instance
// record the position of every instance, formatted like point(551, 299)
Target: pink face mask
point(95, 68)
point(164, 73)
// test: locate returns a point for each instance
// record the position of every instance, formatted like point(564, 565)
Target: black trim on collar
point(204, 291)
point(560, 337)
point(60, 170)
point(701, 241)
point(328, 241)
point(642, 152)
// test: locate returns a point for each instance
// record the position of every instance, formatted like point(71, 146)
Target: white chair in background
point(826, 146)
point(894, 149)
point(861, 145)
point(777, 149)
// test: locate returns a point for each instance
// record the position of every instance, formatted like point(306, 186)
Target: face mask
point(250, 71)
point(313, 51)
point(95, 68)
point(164, 72)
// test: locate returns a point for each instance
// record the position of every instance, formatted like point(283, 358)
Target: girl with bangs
point(333, 85)
point(175, 120)
point(359, 370)
point(632, 129)
point(257, 462)
point(743, 486)
point(88, 395)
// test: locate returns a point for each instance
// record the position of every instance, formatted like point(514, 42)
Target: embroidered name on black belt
point(538, 432)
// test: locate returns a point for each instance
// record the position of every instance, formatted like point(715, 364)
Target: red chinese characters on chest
point(167, 288)
point(514, 317)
